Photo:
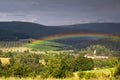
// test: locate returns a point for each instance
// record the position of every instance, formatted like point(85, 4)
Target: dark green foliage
point(5, 71)
point(102, 63)
point(23, 71)
point(57, 68)
point(54, 65)
point(26, 65)
point(117, 70)
point(32, 30)
point(100, 50)
point(0, 66)
point(17, 70)
point(86, 75)
point(82, 63)
point(81, 43)
point(6, 54)
point(114, 61)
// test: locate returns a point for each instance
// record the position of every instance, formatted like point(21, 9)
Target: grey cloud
point(56, 12)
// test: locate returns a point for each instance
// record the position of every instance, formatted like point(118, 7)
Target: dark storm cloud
point(60, 12)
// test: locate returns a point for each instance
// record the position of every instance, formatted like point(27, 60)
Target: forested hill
point(20, 30)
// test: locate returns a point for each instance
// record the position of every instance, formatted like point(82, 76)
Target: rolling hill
point(14, 31)
point(21, 30)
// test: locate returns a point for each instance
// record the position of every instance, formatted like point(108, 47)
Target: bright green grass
point(100, 74)
point(101, 70)
point(47, 45)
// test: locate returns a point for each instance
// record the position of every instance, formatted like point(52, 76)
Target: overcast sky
point(60, 12)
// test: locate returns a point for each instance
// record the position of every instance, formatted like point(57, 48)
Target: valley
point(59, 53)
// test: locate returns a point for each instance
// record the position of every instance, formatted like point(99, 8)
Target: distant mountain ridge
point(21, 30)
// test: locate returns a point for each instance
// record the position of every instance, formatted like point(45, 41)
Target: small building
point(98, 57)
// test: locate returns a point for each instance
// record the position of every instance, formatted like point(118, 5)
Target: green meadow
point(47, 45)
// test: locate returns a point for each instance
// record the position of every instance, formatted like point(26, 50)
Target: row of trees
point(9, 44)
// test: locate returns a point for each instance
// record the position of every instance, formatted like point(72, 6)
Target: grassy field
point(101, 74)
point(47, 45)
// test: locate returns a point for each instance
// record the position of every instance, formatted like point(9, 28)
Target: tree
point(117, 71)
point(56, 67)
point(98, 50)
point(19, 70)
point(102, 63)
point(114, 61)
point(83, 63)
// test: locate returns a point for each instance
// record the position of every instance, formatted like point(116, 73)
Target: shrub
point(57, 68)
point(86, 75)
point(117, 70)
point(82, 63)
point(102, 63)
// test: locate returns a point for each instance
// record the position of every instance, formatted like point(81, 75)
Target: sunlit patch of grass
point(101, 74)
point(5, 61)
point(46, 45)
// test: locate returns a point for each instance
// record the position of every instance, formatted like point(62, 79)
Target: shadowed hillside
point(21, 30)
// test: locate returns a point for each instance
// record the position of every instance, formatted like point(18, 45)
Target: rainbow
point(80, 35)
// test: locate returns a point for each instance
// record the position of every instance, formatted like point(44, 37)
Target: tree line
point(55, 65)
